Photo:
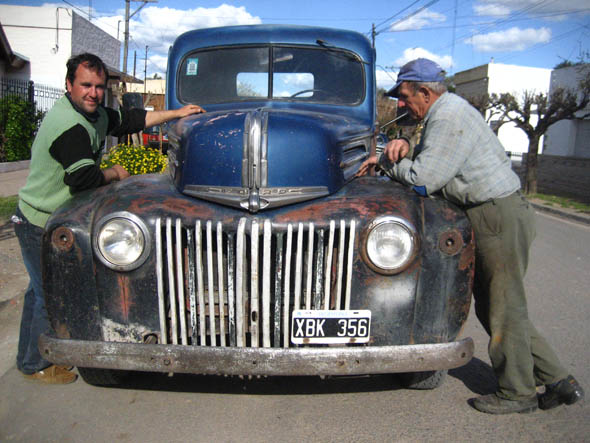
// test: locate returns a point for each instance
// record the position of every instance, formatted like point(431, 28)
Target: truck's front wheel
point(422, 380)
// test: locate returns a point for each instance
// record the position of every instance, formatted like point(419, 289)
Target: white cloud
point(504, 8)
point(419, 21)
point(445, 61)
point(385, 79)
point(513, 39)
point(158, 27)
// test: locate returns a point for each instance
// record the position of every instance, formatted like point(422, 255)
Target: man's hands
point(189, 110)
point(396, 149)
point(157, 117)
point(115, 173)
point(367, 165)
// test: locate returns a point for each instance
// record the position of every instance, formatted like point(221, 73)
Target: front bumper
point(256, 361)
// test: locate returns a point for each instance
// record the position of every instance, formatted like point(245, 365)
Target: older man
point(460, 158)
point(65, 160)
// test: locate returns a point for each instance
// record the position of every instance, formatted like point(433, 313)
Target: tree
point(487, 107)
point(561, 104)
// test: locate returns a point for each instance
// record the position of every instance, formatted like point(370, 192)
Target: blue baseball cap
point(419, 70)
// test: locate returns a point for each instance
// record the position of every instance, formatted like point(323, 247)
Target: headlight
point(122, 241)
point(390, 244)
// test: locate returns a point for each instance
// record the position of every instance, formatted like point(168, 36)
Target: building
point(569, 138)
point(153, 92)
point(499, 78)
point(12, 64)
point(48, 36)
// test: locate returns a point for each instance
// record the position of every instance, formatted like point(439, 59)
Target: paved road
point(193, 408)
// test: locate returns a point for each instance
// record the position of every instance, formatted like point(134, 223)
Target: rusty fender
point(257, 361)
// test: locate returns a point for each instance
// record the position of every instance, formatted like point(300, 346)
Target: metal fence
point(42, 96)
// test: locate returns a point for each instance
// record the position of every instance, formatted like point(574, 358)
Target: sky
point(458, 34)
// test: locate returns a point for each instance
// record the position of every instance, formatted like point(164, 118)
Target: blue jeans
point(34, 319)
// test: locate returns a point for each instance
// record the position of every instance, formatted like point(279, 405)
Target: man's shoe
point(55, 375)
point(566, 391)
point(492, 404)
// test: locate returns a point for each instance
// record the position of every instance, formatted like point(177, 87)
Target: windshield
point(315, 75)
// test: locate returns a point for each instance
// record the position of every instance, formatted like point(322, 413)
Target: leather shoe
point(55, 375)
point(566, 391)
point(492, 404)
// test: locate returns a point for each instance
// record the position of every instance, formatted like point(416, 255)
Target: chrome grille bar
point(266, 265)
point(269, 272)
point(180, 283)
point(160, 281)
point(287, 293)
point(171, 282)
point(211, 286)
point(200, 284)
point(220, 288)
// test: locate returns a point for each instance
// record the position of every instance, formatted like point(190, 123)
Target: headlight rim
point(409, 227)
point(142, 227)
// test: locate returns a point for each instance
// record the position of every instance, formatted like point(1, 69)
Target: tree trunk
point(530, 185)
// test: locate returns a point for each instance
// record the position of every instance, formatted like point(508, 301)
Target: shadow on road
point(6, 230)
point(476, 375)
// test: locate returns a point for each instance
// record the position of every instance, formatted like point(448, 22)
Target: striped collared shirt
point(458, 155)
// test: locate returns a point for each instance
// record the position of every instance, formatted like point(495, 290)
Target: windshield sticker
point(191, 66)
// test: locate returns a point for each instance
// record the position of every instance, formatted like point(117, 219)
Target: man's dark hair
point(91, 61)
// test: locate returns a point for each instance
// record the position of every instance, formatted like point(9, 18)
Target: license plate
point(326, 327)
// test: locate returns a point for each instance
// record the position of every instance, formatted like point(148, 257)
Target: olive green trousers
point(521, 358)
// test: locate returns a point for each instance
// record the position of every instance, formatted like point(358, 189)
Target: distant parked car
point(151, 138)
point(261, 252)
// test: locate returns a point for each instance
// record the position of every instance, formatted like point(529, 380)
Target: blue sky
point(458, 34)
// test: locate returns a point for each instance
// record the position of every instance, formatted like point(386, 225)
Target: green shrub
point(7, 207)
point(18, 124)
point(135, 159)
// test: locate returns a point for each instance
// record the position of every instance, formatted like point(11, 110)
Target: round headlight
point(122, 241)
point(391, 244)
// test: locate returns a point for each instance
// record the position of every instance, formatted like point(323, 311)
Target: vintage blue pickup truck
point(259, 252)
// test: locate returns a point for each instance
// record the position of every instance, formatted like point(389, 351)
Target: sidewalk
point(12, 181)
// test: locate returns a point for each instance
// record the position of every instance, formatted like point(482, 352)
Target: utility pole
point(127, 17)
point(145, 71)
point(373, 35)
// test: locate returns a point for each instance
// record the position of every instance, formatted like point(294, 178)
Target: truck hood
point(264, 158)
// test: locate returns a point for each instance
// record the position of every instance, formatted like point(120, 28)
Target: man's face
point(417, 103)
point(87, 91)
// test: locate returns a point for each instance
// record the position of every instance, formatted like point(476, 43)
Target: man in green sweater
point(65, 160)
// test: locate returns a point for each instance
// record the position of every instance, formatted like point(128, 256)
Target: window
point(303, 74)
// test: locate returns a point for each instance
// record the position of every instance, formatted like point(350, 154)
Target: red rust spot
point(62, 238)
point(125, 301)
point(468, 255)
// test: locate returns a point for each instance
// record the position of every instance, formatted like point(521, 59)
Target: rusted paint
point(450, 242)
point(62, 238)
point(125, 301)
point(467, 258)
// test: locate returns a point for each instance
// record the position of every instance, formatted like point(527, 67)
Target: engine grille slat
point(269, 270)
point(210, 285)
point(180, 282)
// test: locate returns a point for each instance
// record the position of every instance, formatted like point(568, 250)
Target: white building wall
point(569, 137)
point(499, 78)
point(152, 85)
point(47, 49)
point(515, 80)
point(48, 36)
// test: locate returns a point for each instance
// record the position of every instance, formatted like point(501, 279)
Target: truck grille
point(221, 287)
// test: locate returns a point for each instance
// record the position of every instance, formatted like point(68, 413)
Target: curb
point(578, 218)
point(14, 166)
